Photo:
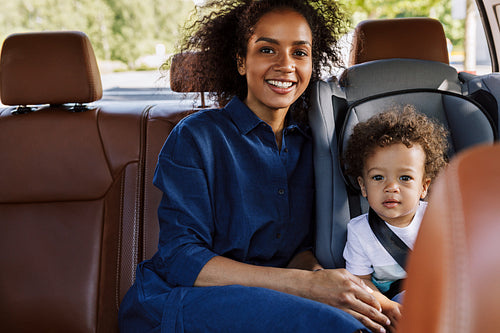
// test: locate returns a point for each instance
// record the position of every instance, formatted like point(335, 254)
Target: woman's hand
point(393, 311)
point(341, 289)
point(336, 287)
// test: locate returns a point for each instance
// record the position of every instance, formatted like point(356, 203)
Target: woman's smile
point(278, 63)
point(280, 84)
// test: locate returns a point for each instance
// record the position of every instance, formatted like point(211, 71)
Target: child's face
point(393, 182)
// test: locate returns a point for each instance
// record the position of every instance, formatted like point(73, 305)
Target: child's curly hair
point(222, 34)
point(393, 126)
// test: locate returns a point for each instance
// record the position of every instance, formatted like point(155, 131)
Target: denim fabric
point(228, 191)
point(226, 309)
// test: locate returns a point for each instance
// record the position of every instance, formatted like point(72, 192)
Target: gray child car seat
point(364, 89)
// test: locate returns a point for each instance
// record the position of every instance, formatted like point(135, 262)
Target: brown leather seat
point(77, 206)
point(413, 38)
point(70, 183)
point(454, 270)
point(160, 120)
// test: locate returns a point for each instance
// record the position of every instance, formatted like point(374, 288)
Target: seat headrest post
point(22, 109)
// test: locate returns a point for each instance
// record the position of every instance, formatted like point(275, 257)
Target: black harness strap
point(392, 243)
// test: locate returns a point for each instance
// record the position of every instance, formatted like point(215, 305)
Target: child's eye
point(405, 178)
point(378, 177)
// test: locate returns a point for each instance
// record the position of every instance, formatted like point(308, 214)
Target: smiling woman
point(235, 250)
point(222, 40)
point(277, 66)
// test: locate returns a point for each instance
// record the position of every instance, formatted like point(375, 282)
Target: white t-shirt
point(365, 255)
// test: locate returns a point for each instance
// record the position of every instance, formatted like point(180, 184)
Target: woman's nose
point(285, 64)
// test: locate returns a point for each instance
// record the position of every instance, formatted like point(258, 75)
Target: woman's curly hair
point(406, 126)
point(222, 30)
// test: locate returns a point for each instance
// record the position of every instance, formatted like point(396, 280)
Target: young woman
point(235, 219)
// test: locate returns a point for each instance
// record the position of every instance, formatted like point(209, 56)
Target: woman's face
point(278, 63)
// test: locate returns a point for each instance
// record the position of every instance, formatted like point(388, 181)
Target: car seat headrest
point(49, 68)
point(184, 71)
point(415, 38)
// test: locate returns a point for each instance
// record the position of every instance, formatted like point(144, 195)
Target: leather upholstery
point(70, 213)
point(185, 69)
point(415, 38)
point(49, 68)
point(183, 72)
point(160, 120)
point(453, 272)
point(77, 204)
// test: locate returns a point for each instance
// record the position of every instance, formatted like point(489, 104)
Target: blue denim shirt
point(229, 191)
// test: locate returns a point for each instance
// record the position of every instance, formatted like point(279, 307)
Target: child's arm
point(390, 308)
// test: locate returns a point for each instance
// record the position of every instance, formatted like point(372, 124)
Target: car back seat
point(372, 83)
point(160, 119)
point(77, 206)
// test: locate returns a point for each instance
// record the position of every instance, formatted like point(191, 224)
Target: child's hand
point(393, 311)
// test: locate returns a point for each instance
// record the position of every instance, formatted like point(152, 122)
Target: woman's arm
point(335, 287)
point(305, 260)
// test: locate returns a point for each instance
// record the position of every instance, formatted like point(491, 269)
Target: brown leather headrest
point(48, 68)
point(184, 71)
point(414, 38)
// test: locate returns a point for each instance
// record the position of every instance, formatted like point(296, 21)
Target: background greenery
point(123, 31)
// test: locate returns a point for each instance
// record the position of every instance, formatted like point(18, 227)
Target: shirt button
point(285, 150)
point(281, 191)
point(278, 235)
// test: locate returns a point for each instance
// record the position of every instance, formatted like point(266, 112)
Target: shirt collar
point(246, 120)
point(242, 116)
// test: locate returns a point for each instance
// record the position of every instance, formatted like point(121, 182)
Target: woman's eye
point(378, 177)
point(266, 50)
point(300, 53)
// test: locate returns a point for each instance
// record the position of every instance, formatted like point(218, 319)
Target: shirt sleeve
point(357, 262)
point(185, 212)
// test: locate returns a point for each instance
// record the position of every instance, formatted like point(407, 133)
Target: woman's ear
point(361, 183)
point(241, 65)
point(425, 188)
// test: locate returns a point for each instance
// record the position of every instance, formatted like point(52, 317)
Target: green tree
point(139, 25)
point(372, 9)
point(120, 30)
point(439, 9)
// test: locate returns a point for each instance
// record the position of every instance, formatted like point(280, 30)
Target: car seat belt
point(393, 244)
point(354, 202)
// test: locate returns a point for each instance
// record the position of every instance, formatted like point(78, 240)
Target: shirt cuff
point(183, 269)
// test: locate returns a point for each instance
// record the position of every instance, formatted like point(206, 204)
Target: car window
point(467, 45)
point(133, 39)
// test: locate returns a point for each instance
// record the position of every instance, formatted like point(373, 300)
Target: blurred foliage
point(120, 30)
point(125, 30)
point(438, 9)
